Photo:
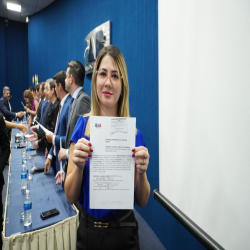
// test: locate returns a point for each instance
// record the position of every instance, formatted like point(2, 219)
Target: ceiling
point(29, 7)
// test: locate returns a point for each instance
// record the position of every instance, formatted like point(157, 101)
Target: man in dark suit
point(5, 107)
point(61, 123)
point(4, 155)
point(80, 103)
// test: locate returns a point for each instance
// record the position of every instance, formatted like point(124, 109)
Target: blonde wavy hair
point(123, 102)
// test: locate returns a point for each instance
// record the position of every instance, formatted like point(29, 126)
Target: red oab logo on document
point(98, 125)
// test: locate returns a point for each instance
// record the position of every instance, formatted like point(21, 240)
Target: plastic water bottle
point(27, 191)
point(29, 150)
point(27, 207)
point(24, 158)
point(25, 120)
point(23, 178)
point(21, 138)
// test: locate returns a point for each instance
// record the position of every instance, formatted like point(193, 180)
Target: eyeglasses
point(102, 76)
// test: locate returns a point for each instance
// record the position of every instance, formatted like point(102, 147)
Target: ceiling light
point(15, 7)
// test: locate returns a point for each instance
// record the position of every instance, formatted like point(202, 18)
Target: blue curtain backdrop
point(56, 36)
point(14, 60)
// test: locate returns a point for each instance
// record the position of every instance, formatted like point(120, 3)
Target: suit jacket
point(44, 105)
point(80, 106)
point(39, 110)
point(4, 149)
point(51, 123)
point(5, 110)
point(61, 130)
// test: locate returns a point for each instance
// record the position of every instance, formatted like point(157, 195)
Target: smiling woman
point(109, 97)
point(109, 85)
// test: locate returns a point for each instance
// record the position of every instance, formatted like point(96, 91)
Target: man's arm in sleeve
point(83, 106)
point(57, 141)
point(5, 111)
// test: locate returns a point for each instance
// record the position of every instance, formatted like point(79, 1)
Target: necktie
point(70, 105)
point(9, 105)
point(57, 123)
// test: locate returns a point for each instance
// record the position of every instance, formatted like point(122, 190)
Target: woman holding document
point(105, 228)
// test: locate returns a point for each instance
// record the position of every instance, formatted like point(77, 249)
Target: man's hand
point(47, 165)
point(49, 137)
point(60, 177)
point(33, 129)
point(34, 137)
point(20, 114)
point(35, 145)
point(62, 154)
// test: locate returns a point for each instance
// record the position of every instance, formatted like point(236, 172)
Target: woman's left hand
point(141, 159)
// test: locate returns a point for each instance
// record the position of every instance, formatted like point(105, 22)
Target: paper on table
point(43, 128)
point(112, 166)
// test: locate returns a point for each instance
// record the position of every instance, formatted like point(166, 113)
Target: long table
point(58, 232)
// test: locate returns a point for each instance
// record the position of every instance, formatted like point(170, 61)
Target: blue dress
point(84, 197)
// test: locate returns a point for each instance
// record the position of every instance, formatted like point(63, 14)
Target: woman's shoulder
point(82, 121)
point(79, 129)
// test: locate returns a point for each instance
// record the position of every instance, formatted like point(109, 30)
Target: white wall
point(204, 114)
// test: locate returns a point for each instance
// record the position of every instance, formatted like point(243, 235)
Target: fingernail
point(133, 155)
point(90, 144)
point(91, 150)
point(86, 160)
point(89, 155)
point(133, 150)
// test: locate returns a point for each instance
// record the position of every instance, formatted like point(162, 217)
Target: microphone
point(36, 170)
point(10, 97)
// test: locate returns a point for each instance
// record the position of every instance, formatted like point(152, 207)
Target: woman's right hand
point(82, 150)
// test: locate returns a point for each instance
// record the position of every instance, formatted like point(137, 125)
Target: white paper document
point(28, 135)
point(43, 128)
point(112, 166)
